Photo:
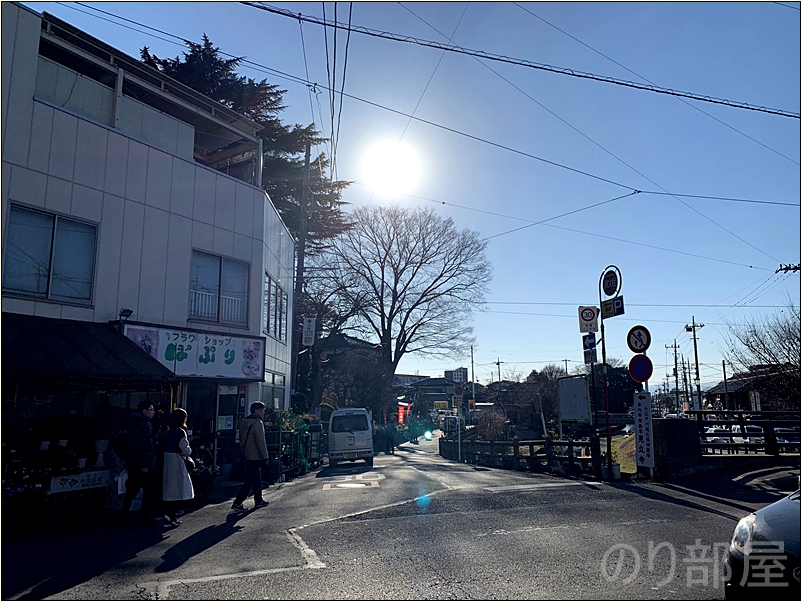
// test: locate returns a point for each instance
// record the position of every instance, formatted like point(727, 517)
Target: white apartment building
point(131, 206)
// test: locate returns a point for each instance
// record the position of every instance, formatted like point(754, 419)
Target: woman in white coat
point(177, 484)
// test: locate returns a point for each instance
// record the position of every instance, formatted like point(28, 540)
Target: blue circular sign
point(640, 368)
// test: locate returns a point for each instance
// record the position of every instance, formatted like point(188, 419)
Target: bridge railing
point(773, 432)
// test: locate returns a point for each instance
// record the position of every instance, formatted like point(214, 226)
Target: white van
point(350, 436)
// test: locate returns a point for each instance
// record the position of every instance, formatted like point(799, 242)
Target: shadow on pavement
point(39, 564)
point(198, 542)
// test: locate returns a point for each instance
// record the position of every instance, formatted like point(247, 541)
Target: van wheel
point(369, 462)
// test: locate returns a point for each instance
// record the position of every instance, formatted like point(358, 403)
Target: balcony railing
point(204, 305)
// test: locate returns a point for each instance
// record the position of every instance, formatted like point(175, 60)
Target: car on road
point(763, 556)
point(350, 436)
point(750, 433)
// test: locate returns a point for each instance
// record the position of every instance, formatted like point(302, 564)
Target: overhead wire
point(651, 82)
point(543, 221)
point(306, 67)
point(590, 139)
point(299, 80)
point(526, 63)
point(342, 87)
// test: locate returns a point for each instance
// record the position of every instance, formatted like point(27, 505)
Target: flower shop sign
point(189, 353)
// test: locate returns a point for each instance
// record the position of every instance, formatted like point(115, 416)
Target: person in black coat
point(139, 460)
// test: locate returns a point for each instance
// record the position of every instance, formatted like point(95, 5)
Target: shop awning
point(73, 351)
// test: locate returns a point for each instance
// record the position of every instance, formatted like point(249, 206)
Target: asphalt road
point(412, 527)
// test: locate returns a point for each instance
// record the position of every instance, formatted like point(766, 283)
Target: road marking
point(527, 487)
point(161, 589)
point(575, 527)
point(347, 485)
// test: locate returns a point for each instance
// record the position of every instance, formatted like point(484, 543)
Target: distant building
point(460, 375)
point(404, 380)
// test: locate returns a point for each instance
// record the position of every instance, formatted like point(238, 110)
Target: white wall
point(152, 207)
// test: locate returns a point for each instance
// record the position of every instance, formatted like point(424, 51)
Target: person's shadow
point(198, 542)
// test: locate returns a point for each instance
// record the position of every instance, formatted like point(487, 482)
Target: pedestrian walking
point(176, 483)
point(139, 461)
point(254, 451)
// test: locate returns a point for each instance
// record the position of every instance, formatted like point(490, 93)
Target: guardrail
point(553, 456)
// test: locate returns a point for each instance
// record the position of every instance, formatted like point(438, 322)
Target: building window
point(274, 310)
point(218, 289)
point(48, 256)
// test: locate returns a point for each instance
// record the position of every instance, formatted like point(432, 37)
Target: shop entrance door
point(231, 411)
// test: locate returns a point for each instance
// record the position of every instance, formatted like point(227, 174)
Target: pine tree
point(202, 68)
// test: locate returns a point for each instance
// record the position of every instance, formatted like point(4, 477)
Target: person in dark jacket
point(139, 460)
point(254, 449)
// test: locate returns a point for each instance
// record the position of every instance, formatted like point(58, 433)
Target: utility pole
point(726, 395)
point(566, 366)
point(473, 385)
point(676, 375)
point(299, 275)
point(685, 383)
point(696, 381)
point(498, 363)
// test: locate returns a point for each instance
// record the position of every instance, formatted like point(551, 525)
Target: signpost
point(642, 407)
point(639, 339)
point(589, 348)
point(588, 319)
point(610, 285)
point(612, 307)
point(640, 368)
point(308, 332)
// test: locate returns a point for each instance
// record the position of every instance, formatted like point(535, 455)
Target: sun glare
point(391, 167)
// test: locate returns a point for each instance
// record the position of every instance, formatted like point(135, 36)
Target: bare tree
point(769, 341)
point(416, 277)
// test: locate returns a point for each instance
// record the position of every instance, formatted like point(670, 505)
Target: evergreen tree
point(203, 69)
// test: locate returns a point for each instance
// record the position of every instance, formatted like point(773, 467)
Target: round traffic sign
point(639, 339)
point(610, 283)
point(640, 368)
point(588, 314)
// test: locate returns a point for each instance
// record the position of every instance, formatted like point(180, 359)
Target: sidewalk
point(44, 554)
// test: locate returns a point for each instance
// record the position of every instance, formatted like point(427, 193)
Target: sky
point(524, 145)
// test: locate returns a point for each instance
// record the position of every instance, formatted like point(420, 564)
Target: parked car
point(716, 435)
point(788, 438)
point(763, 557)
point(751, 434)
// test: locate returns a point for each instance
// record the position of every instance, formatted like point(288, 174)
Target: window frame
point(220, 269)
point(274, 309)
point(48, 296)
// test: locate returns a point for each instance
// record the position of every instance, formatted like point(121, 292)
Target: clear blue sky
point(717, 259)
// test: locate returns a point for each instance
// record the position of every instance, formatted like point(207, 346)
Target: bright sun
point(391, 167)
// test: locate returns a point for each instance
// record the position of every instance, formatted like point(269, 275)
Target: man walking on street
point(254, 450)
point(139, 461)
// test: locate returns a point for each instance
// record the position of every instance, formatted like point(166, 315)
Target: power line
point(342, 87)
point(650, 82)
point(628, 304)
point(786, 5)
point(561, 215)
point(640, 244)
point(594, 142)
point(523, 62)
point(314, 86)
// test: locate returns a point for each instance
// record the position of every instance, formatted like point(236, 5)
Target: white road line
point(161, 589)
point(534, 486)
point(574, 527)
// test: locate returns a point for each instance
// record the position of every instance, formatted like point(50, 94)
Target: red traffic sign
point(639, 339)
point(640, 368)
point(610, 283)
